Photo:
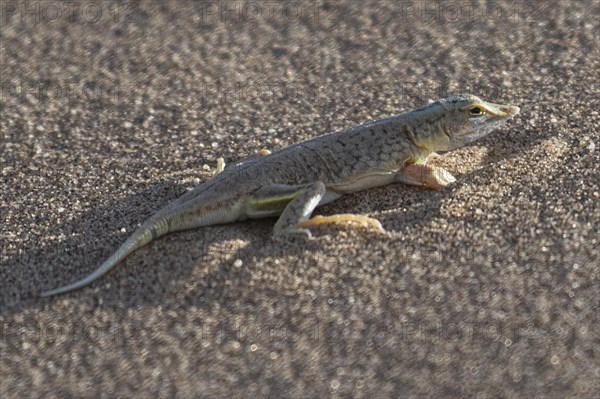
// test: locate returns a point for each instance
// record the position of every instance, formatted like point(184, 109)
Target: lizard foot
point(427, 176)
point(220, 165)
point(345, 217)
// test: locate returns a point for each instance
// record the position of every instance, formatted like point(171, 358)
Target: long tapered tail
point(150, 230)
point(187, 212)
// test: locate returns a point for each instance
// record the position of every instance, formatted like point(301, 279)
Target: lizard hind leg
point(344, 217)
point(295, 205)
point(295, 216)
point(220, 165)
point(299, 209)
point(221, 161)
point(292, 203)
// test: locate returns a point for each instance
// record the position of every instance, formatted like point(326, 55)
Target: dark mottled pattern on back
point(333, 157)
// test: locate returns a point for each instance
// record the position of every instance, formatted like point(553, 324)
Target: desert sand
point(109, 111)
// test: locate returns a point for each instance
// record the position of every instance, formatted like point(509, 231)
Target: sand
point(488, 288)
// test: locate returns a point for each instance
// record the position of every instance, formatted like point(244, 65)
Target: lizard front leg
point(428, 176)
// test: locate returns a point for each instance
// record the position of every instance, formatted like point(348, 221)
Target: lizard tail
point(146, 233)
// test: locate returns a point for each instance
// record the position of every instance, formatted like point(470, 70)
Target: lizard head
point(462, 119)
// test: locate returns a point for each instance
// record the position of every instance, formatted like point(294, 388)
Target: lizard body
point(293, 181)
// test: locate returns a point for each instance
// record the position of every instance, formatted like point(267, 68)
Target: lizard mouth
point(498, 111)
point(510, 110)
point(500, 114)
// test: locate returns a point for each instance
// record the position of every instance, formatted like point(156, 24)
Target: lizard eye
point(475, 111)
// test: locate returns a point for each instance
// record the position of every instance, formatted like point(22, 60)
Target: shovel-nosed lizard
point(293, 181)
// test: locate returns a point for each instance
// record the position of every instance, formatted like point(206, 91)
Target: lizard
point(291, 182)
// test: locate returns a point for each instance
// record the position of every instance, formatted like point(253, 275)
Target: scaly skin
point(294, 180)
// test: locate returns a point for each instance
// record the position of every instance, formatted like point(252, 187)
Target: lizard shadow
point(83, 242)
point(89, 241)
point(418, 206)
point(195, 264)
point(513, 142)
